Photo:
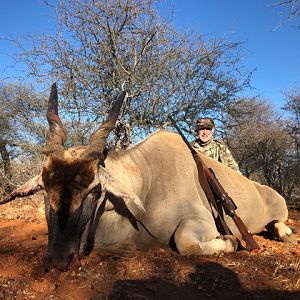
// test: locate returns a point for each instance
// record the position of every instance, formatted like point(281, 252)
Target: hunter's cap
point(205, 123)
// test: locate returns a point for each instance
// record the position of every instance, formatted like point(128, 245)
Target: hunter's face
point(205, 134)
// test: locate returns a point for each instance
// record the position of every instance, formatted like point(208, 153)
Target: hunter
point(206, 144)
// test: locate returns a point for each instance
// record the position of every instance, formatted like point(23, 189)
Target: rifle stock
point(251, 244)
point(211, 187)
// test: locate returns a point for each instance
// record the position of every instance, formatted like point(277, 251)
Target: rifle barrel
point(182, 135)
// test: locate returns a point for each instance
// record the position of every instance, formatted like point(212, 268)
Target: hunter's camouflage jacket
point(217, 150)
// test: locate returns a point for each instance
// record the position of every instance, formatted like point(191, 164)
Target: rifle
point(214, 190)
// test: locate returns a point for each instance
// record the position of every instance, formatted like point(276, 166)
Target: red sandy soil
point(156, 274)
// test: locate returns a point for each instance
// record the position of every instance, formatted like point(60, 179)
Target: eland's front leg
point(197, 236)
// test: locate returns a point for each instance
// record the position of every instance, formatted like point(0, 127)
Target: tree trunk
point(6, 164)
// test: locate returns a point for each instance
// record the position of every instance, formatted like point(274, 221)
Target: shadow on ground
point(209, 281)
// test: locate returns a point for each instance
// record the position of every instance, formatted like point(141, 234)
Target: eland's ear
point(115, 187)
point(32, 186)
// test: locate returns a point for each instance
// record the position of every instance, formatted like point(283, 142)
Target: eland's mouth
point(72, 262)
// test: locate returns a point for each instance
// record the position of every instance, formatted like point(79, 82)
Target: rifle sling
point(220, 223)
